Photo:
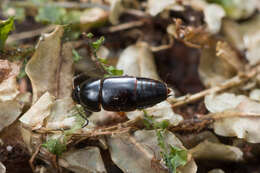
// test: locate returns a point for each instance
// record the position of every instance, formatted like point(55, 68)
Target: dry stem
point(233, 82)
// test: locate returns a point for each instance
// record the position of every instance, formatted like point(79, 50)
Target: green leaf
point(102, 60)
point(112, 71)
point(51, 14)
point(22, 73)
point(172, 155)
point(96, 44)
point(76, 57)
point(79, 113)
point(177, 157)
point(90, 35)
point(5, 27)
point(56, 146)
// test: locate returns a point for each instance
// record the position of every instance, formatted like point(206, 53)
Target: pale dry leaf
point(242, 127)
point(221, 102)
point(216, 171)
point(59, 117)
point(31, 140)
point(92, 17)
point(155, 6)
point(8, 69)
point(191, 140)
point(10, 111)
point(36, 115)
point(141, 151)
point(51, 71)
point(83, 160)
point(8, 85)
point(2, 168)
point(116, 8)
point(232, 33)
point(236, 116)
point(137, 60)
point(8, 89)
point(213, 17)
point(252, 43)
point(245, 37)
point(213, 69)
point(66, 72)
point(241, 9)
point(226, 52)
point(255, 94)
point(216, 151)
point(42, 68)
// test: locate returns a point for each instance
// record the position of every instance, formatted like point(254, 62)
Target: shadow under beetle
point(119, 94)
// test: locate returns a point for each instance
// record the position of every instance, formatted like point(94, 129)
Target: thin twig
point(124, 26)
point(29, 34)
point(70, 5)
point(33, 157)
point(233, 82)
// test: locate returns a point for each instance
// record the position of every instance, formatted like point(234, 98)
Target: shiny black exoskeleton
point(120, 94)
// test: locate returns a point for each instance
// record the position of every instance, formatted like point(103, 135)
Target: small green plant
point(76, 57)
point(22, 73)
point(5, 27)
point(56, 145)
point(172, 156)
point(110, 70)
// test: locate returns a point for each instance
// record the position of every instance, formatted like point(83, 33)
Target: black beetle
point(119, 94)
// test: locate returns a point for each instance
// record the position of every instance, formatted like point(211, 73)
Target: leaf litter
point(55, 130)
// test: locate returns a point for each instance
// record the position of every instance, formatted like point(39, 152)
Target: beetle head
point(76, 94)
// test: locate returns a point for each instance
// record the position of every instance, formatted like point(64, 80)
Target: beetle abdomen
point(130, 93)
point(150, 92)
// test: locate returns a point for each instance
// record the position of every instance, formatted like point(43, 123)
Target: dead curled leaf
point(141, 152)
point(8, 84)
point(83, 160)
point(11, 103)
point(239, 117)
point(216, 151)
point(35, 116)
point(10, 111)
point(218, 63)
point(51, 70)
point(245, 37)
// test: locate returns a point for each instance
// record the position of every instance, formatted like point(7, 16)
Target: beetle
point(119, 94)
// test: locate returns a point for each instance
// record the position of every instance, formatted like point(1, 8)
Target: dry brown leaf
point(141, 152)
point(244, 36)
point(50, 68)
point(155, 6)
point(10, 111)
point(215, 151)
point(116, 8)
point(216, 171)
point(2, 168)
point(215, 69)
point(83, 160)
point(226, 52)
point(8, 85)
point(92, 17)
point(59, 117)
point(35, 116)
point(235, 116)
point(213, 17)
